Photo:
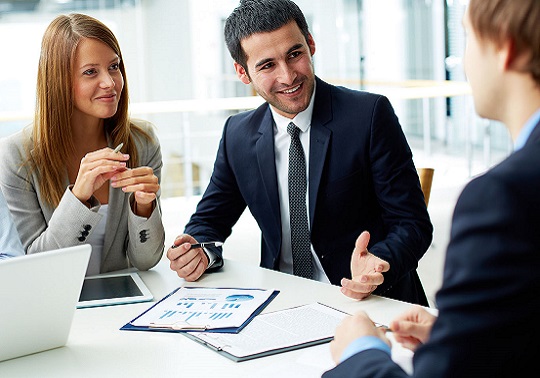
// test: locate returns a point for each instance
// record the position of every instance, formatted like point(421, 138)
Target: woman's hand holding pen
point(95, 169)
point(366, 270)
point(189, 263)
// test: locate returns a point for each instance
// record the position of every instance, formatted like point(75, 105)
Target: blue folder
point(130, 327)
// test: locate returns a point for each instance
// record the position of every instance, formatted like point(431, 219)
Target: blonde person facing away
point(489, 301)
point(63, 182)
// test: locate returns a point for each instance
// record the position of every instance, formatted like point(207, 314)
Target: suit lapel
point(266, 160)
point(319, 141)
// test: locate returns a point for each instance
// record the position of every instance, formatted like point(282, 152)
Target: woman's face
point(97, 80)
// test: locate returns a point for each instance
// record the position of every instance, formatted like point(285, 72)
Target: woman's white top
point(96, 239)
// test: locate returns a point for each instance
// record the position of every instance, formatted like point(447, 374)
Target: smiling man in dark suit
point(358, 166)
point(489, 302)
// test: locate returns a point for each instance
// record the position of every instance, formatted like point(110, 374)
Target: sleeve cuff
point(93, 202)
point(364, 343)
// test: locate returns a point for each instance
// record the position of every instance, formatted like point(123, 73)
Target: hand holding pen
point(143, 183)
point(96, 169)
point(188, 258)
point(351, 328)
point(413, 327)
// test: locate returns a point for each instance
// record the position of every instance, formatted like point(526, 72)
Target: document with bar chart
point(203, 309)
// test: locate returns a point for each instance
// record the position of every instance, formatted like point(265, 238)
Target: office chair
point(426, 178)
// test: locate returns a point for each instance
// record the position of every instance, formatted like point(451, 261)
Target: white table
point(97, 348)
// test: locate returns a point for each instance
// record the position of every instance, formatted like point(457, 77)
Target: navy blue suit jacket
point(489, 302)
point(361, 177)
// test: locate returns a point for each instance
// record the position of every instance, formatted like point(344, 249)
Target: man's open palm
point(366, 270)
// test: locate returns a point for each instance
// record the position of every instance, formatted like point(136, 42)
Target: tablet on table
point(113, 289)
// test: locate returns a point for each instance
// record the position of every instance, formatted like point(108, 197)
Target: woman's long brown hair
point(52, 137)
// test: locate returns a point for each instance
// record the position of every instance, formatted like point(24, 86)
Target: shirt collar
point(526, 131)
point(302, 120)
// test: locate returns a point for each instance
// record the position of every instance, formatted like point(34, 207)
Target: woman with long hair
point(63, 178)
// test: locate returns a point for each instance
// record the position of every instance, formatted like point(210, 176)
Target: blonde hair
point(52, 138)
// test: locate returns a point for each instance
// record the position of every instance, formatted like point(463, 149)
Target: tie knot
point(293, 130)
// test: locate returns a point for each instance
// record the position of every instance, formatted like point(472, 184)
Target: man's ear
point(311, 44)
point(241, 73)
point(511, 59)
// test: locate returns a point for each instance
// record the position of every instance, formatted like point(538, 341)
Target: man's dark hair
point(259, 16)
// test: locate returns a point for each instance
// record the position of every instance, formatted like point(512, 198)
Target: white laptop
point(38, 295)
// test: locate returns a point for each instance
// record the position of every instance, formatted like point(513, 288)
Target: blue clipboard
point(130, 327)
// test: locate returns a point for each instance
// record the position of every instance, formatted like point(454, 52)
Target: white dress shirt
point(97, 239)
point(282, 141)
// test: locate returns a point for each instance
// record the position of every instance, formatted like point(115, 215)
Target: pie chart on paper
point(239, 298)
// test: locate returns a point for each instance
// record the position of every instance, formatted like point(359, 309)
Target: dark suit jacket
point(489, 303)
point(361, 177)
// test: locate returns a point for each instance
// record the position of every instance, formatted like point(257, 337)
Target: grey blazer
point(129, 240)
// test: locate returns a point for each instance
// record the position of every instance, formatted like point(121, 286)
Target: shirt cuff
point(364, 343)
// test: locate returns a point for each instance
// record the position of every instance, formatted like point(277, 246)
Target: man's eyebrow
point(295, 47)
point(264, 61)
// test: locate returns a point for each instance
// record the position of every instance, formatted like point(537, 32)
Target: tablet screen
point(113, 289)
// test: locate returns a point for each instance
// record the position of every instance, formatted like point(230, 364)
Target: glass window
point(181, 76)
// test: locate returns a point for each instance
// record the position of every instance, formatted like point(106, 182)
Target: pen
point(384, 327)
point(117, 149)
point(202, 245)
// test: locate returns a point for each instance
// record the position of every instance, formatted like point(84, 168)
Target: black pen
point(202, 245)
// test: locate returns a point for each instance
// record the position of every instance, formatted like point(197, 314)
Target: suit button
point(87, 227)
point(84, 233)
point(81, 238)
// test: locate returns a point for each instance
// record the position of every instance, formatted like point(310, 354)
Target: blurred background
point(181, 78)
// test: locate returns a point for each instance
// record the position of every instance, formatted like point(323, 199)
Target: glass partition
point(181, 76)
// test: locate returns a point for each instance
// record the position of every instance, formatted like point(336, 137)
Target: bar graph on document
point(204, 307)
